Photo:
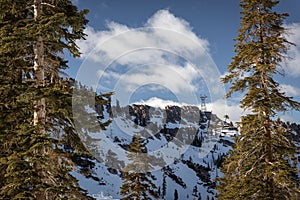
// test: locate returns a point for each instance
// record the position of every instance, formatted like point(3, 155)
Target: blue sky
point(181, 58)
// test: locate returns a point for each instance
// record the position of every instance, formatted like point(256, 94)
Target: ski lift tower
point(203, 104)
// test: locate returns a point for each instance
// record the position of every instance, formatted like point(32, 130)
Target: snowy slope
point(186, 146)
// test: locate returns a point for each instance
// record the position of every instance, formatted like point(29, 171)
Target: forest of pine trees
point(262, 164)
point(37, 135)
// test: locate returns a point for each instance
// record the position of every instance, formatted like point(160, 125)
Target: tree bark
point(39, 116)
point(39, 105)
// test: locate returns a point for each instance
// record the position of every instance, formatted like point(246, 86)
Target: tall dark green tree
point(262, 164)
point(175, 195)
point(164, 184)
point(35, 101)
point(137, 183)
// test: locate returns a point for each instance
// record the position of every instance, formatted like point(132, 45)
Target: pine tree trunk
point(40, 104)
point(268, 136)
point(265, 113)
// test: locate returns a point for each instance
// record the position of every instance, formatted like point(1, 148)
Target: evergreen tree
point(226, 117)
point(175, 195)
point(195, 191)
point(35, 110)
point(164, 184)
point(261, 165)
point(118, 107)
point(137, 183)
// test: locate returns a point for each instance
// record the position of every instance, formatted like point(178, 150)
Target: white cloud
point(163, 19)
point(287, 118)
point(290, 90)
point(292, 66)
point(230, 108)
point(164, 51)
point(176, 78)
point(163, 32)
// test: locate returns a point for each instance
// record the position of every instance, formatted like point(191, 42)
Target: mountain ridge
point(181, 139)
point(187, 145)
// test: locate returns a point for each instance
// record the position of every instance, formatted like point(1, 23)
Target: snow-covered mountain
point(186, 145)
